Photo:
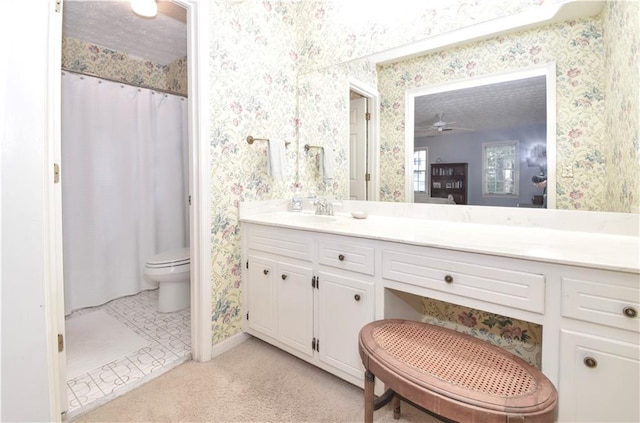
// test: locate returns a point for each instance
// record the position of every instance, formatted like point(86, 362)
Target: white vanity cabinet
point(350, 272)
point(279, 295)
point(309, 294)
point(600, 347)
point(345, 301)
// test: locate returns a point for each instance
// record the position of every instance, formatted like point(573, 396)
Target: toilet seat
point(172, 258)
point(171, 271)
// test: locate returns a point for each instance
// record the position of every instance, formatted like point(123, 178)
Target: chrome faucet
point(324, 207)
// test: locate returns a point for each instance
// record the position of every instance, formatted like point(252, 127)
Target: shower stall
point(125, 190)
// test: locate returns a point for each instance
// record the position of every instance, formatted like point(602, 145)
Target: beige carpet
point(253, 382)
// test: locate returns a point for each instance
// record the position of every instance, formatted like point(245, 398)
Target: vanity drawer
point(603, 302)
point(491, 284)
point(342, 255)
point(281, 242)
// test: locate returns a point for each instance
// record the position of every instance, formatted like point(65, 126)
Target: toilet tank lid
point(171, 256)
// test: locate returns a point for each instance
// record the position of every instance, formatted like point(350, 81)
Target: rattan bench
point(451, 375)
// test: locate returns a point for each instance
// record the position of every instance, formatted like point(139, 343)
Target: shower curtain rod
point(117, 81)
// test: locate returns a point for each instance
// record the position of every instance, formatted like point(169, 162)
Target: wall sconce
point(145, 8)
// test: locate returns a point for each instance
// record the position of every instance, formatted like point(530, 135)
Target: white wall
point(23, 119)
point(466, 147)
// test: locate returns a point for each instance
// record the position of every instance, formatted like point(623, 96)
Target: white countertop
point(610, 250)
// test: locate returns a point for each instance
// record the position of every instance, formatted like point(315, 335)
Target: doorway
point(199, 204)
point(125, 195)
point(359, 175)
point(363, 142)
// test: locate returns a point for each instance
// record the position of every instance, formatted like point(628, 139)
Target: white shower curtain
point(124, 185)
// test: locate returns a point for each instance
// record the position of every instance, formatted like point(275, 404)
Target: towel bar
point(251, 139)
point(307, 147)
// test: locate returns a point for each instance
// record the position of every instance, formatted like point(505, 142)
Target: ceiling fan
point(440, 125)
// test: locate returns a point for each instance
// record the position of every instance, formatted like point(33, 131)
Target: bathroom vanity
point(311, 282)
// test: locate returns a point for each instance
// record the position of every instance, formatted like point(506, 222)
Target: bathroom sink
point(308, 218)
point(319, 218)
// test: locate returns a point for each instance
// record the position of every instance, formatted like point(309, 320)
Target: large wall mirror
point(590, 102)
point(486, 141)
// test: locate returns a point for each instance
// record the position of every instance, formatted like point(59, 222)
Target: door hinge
point(56, 173)
point(60, 342)
point(367, 177)
point(58, 6)
point(367, 116)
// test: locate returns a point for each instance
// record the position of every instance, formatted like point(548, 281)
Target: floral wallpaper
point(252, 92)
point(83, 57)
point(575, 46)
point(335, 31)
point(622, 107)
point(520, 337)
point(176, 76)
point(323, 105)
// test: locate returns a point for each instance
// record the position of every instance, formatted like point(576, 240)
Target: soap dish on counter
point(359, 214)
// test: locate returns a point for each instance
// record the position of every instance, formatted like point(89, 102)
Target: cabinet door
point(295, 306)
point(262, 292)
point(598, 379)
point(345, 305)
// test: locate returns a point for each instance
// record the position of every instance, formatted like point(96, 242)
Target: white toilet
point(171, 270)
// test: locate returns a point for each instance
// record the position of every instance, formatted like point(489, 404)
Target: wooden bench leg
point(396, 407)
point(369, 385)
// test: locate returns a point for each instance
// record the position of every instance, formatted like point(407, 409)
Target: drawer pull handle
point(265, 271)
point(341, 257)
point(448, 278)
point(284, 277)
point(630, 312)
point(590, 362)
point(356, 297)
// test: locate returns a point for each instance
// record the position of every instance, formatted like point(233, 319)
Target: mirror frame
point(547, 70)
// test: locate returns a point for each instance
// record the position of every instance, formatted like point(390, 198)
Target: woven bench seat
point(451, 375)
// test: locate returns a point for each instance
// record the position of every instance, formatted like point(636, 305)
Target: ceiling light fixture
point(146, 8)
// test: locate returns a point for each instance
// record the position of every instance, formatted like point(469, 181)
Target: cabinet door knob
point(448, 278)
point(356, 297)
point(265, 271)
point(284, 277)
point(590, 362)
point(341, 257)
point(630, 312)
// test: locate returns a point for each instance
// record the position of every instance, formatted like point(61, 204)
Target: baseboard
point(227, 344)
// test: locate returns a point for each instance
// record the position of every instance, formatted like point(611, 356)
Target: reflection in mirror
point(484, 141)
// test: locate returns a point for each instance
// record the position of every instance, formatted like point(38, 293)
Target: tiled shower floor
point(169, 344)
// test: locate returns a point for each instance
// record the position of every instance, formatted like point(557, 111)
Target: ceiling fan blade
point(457, 128)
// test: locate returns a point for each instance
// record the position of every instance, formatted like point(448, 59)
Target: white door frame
point(373, 129)
point(358, 148)
point(199, 183)
point(199, 175)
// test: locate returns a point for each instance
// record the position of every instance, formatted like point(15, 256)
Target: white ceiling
point(496, 106)
point(112, 24)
